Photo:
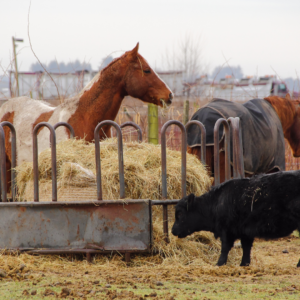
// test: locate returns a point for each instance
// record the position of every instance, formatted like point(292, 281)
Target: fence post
point(152, 124)
point(186, 108)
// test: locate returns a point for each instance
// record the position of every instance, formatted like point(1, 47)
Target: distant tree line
point(218, 72)
point(61, 67)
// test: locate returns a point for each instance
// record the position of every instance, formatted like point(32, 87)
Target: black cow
point(264, 206)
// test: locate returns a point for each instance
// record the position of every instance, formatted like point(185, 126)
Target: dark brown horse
point(100, 100)
point(288, 113)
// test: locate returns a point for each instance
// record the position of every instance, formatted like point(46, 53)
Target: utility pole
point(14, 40)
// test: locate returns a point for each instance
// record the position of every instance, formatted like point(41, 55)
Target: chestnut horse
point(288, 112)
point(130, 74)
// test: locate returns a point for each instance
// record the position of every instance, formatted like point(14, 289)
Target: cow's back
point(262, 206)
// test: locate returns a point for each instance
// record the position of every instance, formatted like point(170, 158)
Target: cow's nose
point(170, 96)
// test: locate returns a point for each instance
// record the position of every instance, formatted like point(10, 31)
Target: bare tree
point(186, 56)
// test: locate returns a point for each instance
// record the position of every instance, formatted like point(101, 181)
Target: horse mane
point(98, 75)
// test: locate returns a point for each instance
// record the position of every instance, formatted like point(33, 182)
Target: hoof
point(298, 265)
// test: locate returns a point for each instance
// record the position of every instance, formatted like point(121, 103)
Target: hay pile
point(76, 178)
point(142, 166)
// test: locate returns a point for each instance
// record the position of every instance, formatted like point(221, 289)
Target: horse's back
point(263, 140)
point(24, 113)
point(21, 105)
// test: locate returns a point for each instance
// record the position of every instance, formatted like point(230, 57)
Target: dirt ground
point(273, 275)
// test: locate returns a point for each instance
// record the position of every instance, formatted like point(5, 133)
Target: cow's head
point(186, 220)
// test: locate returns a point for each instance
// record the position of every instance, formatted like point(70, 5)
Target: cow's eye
point(147, 71)
point(179, 215)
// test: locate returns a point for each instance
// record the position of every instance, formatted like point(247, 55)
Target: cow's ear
point(190, 199)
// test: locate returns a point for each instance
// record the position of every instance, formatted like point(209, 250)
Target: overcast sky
point(258, 35)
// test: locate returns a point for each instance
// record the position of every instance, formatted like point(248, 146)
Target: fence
point(96, 226)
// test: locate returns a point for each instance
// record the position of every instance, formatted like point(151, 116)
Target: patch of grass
point(200, 288)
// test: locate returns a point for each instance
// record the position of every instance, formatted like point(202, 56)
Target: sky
point(262, 36)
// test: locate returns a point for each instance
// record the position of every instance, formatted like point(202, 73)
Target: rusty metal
point(216, 150)
point(71, 130)
point(96, 227)
point(237, 148)
point(98, 161)
point(203, 137)
point(13, 156)
point(136, 126)
point(3, 165)
point(164, 169)
point(35, 160)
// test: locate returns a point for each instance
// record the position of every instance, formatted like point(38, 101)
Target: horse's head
point(288, 111)
point(295, 131)
point(292, 133)
point(143, 83)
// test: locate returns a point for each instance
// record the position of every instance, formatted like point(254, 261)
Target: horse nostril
point(170, 96)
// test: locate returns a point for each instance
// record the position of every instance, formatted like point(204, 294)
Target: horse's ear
point(288, 97)
point(135, 50)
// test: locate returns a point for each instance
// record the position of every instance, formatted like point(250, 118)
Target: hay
point(76, 178)
point(142, 166)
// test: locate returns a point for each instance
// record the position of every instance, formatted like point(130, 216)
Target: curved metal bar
point(164, 169)
point(120, 155)
point(59, 124)
point(164, 157)
point(3, 165)
point(216, 151)
point(203, 137)
point(237, 145)
point(35, 160)
point(13, 157)
point(136, 126)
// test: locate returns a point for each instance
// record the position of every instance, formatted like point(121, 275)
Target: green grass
point(223, 288)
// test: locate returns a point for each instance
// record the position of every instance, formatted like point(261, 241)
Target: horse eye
point(147, 71)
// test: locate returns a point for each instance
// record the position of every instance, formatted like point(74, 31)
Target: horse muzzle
point(167, 102)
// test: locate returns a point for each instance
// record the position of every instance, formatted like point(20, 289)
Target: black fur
point(265, 206)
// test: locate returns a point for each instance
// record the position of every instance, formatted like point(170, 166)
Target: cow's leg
point(298, 265)
point(246, 245)
point(227, 244)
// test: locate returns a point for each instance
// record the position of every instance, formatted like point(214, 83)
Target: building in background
point(39, 85)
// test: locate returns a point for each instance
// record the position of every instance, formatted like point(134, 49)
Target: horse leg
point(222, 166)
point(246, 245)
point(210, 159)
point(8, 174)
point(209, 156)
